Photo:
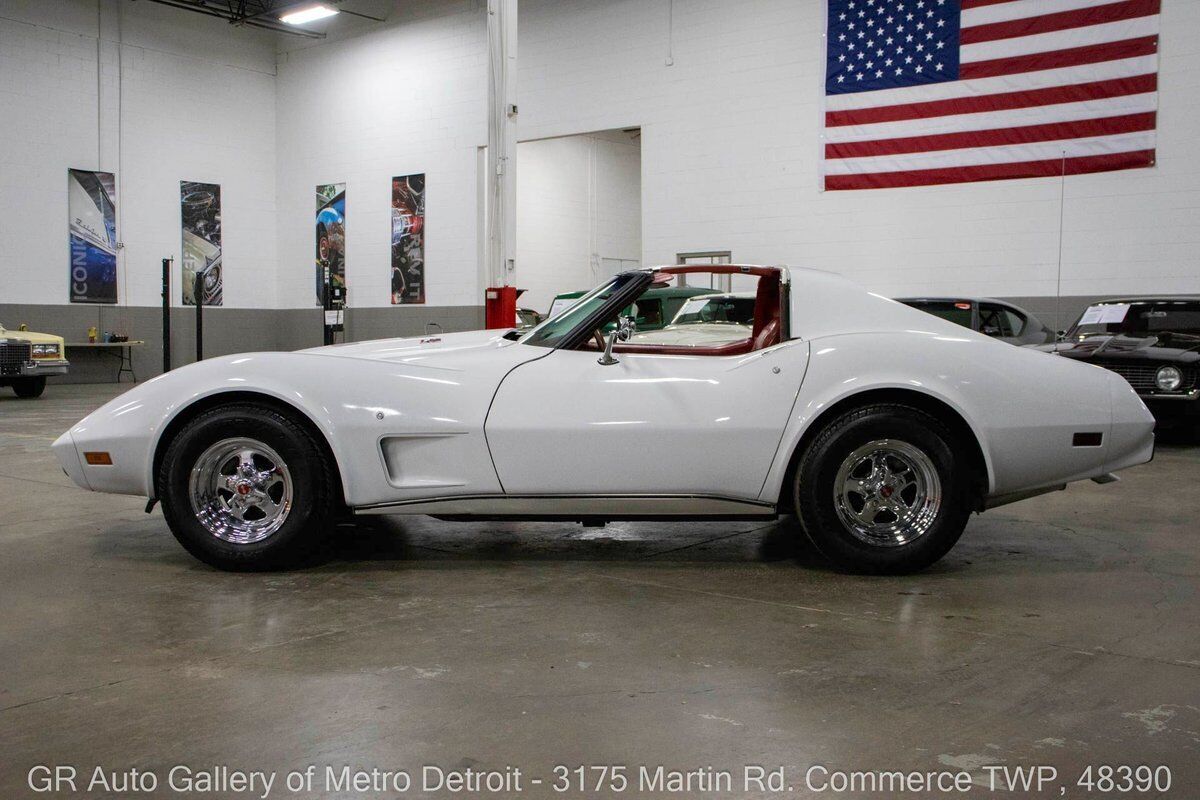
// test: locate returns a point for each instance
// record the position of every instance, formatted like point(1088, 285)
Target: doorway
point(579, 213)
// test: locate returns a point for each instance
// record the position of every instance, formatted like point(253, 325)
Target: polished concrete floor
point(1062, 631)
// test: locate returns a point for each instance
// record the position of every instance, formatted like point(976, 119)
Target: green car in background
point(655, 308)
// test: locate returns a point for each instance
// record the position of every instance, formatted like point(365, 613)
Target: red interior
point(766, 330)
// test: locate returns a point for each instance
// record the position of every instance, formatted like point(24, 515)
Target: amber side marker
point(98, 458)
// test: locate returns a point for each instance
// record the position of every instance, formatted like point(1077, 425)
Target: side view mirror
point(606, 359)
point(626, 327)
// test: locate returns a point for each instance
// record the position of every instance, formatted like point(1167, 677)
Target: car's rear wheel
point(29, 388)
point(883, 489)
point(244, 487)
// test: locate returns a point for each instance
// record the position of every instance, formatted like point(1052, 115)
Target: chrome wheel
point(887, 493)
point(240, 490)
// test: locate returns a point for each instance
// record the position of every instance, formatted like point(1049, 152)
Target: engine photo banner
point(92, 236)
point(408, 239)
point(922, 92)
point(200, 210)
point(331, 237)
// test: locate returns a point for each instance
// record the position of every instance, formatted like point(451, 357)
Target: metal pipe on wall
point(166, 312)
point(502, 140)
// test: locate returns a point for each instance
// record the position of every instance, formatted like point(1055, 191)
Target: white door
point(650, 424)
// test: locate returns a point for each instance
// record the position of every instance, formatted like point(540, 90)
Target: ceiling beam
point(227, 14)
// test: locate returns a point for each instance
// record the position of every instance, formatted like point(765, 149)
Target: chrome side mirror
point(626, 327)
point(607, 359)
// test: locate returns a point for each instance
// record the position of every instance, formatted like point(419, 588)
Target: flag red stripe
point(980, 3)
point(1047, 132)
point(1029, 98)
point(1060, 21)
point(992, 172)
point(1053, 59)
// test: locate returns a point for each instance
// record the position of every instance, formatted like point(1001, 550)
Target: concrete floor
point(1061, 631)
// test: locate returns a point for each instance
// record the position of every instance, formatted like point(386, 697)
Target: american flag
point(921, 92)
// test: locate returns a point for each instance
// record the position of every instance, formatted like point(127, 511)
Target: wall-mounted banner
point(93, 236)
point(200, 208)
point(331, 236)
point(408, 239)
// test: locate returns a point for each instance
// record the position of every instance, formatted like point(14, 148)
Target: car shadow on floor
point(419, 539)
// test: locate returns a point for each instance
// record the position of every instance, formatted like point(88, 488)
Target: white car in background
point(881, 427)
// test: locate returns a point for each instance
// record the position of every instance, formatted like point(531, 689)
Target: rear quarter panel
point(1023, 406)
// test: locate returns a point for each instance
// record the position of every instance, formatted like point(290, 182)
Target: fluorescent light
point(307, 14)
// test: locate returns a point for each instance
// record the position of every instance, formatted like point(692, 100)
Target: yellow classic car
point(26, 358)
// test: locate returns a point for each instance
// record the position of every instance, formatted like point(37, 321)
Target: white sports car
point(881, 427)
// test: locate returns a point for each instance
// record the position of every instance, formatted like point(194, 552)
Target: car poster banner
point(92, 236)
point(200, 209)
point(408, 239)
point(331, 236)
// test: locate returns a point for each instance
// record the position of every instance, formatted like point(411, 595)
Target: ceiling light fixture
point(307, 14)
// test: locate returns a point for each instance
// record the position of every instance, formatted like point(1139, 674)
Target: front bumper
point(68, 458)
point(44, 366)
point(1169, 408)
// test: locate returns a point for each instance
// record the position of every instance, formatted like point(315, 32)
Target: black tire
point(313, 489)
point(816, 494)
point(29, 388)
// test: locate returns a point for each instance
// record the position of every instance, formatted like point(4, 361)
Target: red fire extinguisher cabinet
point(500, 306)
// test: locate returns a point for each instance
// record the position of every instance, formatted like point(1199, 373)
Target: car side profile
point(879, 427)
point(995, 318)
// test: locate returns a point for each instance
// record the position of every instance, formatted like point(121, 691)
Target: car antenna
point(1062, 201)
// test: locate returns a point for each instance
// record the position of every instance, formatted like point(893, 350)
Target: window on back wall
point(720, 283)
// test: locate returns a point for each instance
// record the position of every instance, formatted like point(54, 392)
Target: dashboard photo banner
point(331, 236)
point(408, 239)
point(92, 236)
point(200, 209)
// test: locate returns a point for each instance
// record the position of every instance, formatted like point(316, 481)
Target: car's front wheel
point(244, 487)
point(883, 489)
point(29, 388)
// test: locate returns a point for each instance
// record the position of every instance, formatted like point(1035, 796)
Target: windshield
point(1140, 319)
point(552, 331)
point(718, 309)
point(956, 311)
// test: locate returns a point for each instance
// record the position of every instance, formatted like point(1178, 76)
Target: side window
point(649, 313)
point(1016, 322)
point(996, 320)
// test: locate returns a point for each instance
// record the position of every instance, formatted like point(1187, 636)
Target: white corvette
point(881, 427)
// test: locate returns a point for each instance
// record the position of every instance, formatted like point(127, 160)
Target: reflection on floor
point(1064, 630)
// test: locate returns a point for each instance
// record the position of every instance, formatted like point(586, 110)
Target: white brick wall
point(729, 149)
point(729, 154)
point(197, 102)
point(409, 96)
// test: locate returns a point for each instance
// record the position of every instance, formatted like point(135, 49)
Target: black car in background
point(1152, 342)
point(994, 318)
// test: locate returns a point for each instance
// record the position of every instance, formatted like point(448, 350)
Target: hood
point(29, 336)
point(1163, 347)
point(432, 350)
